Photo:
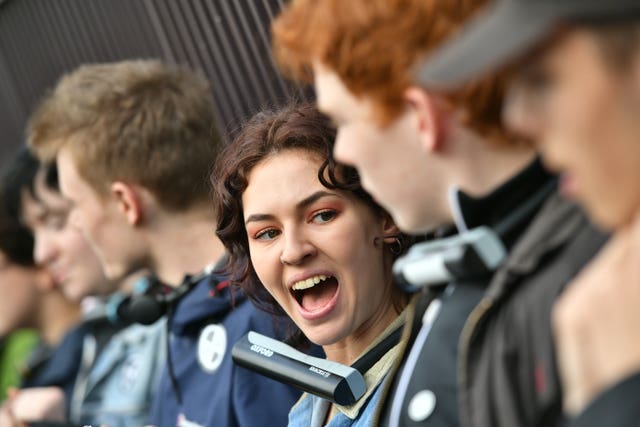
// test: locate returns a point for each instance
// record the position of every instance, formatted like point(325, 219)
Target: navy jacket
point(211, 390)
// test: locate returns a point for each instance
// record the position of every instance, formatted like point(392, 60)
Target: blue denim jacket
point(311, 411)
point(116, 386)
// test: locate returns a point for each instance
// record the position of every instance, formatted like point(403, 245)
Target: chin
point(404, 222)
point(607, 219)
point(74, 296)
point(412, 224)
point(77, 296)
point(322, 338)
point(112, 272)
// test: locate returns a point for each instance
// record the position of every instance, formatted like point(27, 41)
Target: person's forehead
point(532, 66)
point(336, 100)
point(329, 88)
point(72, 185)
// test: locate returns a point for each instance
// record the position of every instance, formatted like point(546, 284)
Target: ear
point(427, 114)
point(128, 201)
point(389, 228)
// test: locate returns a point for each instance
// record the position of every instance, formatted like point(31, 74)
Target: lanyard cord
point(172, 375)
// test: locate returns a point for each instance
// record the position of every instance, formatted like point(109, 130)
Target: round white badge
point(212, 346)
point(422, 405)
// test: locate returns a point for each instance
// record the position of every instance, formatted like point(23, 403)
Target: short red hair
point(375, 45)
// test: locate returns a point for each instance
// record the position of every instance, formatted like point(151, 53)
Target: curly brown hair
point(300, 127)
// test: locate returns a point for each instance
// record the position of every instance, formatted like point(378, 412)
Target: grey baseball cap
point(506, 30)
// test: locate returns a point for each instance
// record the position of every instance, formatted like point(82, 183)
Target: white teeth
point(308, 283)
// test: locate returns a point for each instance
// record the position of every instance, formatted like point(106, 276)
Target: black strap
point(172, 376)
point(364, 363)
point(525, 210)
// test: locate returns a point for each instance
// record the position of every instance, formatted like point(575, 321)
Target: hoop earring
point(396, 247)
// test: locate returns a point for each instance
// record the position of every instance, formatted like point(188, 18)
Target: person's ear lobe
point(389, 229)
point(422, 105)
point(128, 202)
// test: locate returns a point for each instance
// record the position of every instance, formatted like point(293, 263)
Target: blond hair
point(140, 121)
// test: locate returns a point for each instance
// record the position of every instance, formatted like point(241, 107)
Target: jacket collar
point(493, 208)
point(210, 300)
point(558, 221)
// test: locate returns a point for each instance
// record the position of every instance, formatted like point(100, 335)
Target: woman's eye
point(267, 234)
point(324, 216)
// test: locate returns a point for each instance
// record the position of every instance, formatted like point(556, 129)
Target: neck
point(481, 166)
point(56, 316)
point(349, 349)
point(476, 165)
point(183, 244)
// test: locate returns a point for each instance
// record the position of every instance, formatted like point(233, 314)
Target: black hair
point(16, 240)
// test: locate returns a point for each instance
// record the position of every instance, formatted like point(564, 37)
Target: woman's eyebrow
point(258, 217)
point(301, 205)
point(309, 200)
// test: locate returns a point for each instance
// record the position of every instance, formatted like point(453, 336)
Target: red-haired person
point(433, 158)
point(577, 94)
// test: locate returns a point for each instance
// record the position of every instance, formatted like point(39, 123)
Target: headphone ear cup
point(116, 306)
point(144, 309)
point(150, 301)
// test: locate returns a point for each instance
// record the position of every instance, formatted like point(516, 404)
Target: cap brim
point(499, 34)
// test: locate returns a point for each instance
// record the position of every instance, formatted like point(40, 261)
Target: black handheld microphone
point(333, 381)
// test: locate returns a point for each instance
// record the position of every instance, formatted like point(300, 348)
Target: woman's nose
point(297, 249)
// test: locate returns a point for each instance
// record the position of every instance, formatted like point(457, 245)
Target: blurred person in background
point(134, 142)
point(121, 363)
point(32, 299)
point(576, 92)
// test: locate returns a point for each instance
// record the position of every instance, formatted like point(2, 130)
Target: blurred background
point(227, 39)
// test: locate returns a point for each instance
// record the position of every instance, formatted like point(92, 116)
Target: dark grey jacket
point(507, 371)
point(425, 390)
point(617, 407)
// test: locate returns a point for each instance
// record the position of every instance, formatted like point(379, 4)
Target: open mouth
point(315, 293)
